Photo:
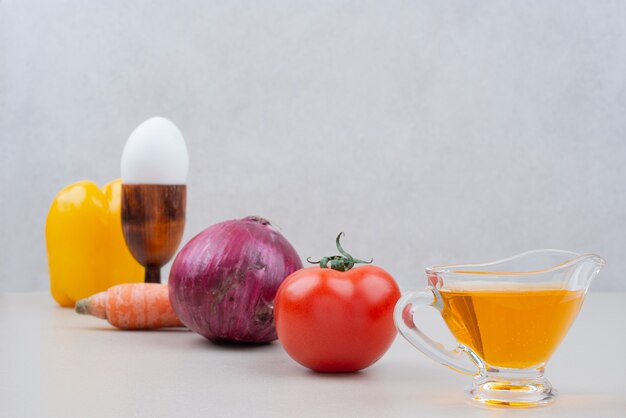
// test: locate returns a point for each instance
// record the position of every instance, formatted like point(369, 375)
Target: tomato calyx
point(343, 262)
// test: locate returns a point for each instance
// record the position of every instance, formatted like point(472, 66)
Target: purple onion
point(223, 282)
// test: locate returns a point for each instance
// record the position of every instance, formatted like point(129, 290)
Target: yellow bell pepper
point(87, 253)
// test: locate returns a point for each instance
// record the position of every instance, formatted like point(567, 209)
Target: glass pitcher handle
point(458, 359)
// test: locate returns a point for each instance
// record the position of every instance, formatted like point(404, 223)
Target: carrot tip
point(82, 307)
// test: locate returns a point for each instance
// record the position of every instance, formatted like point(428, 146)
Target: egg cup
point(153, 222)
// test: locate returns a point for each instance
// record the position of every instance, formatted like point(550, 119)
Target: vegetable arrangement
point(242, 281)
point(237, 281)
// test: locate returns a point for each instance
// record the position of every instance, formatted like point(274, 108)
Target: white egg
point(155, 153)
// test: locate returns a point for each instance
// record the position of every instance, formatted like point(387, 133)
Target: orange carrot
point(132, 306)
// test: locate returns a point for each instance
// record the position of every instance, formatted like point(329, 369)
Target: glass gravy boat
point(508, 317)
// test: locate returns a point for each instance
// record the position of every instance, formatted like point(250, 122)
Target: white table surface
point(54, 362)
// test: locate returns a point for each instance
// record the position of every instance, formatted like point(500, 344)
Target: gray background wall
point(428, 131)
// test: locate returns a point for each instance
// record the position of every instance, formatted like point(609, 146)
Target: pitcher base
point(521, 394)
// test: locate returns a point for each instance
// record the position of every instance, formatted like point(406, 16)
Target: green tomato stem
point(343, 262)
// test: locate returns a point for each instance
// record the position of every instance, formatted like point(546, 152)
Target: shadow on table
point(285, 367)
point(233, 345)
point(383, 372)
point(112, 328)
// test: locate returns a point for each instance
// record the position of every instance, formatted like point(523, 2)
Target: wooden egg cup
point(153, 221)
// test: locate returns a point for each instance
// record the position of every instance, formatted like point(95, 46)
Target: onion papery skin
point(223, 282)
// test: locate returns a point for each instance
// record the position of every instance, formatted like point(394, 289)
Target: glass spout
point(586, 268)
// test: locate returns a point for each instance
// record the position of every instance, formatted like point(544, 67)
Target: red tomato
point(333, 321)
